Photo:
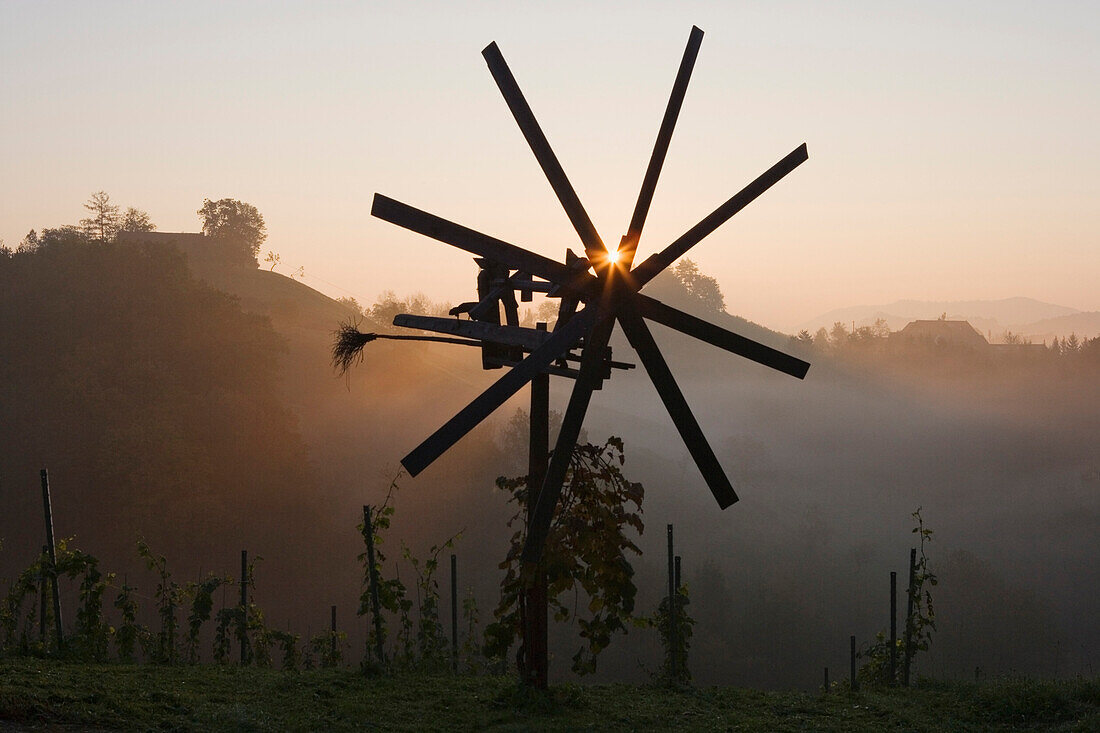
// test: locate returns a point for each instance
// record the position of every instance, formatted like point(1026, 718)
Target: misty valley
point(183, 397)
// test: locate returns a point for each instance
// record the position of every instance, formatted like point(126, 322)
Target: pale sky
point(954, 147)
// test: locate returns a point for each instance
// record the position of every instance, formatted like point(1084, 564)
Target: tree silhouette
point(238, 225)
point(104, 222)
point(703, 288)
point(136, 220)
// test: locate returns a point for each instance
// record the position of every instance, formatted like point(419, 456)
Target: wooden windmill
point(597, 291)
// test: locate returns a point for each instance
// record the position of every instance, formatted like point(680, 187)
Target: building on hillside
point(198, 247)
point(941, 333)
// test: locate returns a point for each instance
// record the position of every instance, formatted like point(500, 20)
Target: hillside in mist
point(193, 404)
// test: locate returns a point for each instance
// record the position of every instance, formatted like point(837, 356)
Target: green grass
point(42, 693)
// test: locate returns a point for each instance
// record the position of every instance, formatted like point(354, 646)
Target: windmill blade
point(660, 148)
point(593, 245)
point(642, 340)
point(475, 242)
point(538, 526)
point(688, 324)
point(654, 264)
point(560, 341)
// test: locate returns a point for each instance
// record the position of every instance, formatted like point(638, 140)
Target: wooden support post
point(679, 584)
point(42, 600)
point(244, 607)
point(170, 638)
point(672, 647)
point(536, 656)
point(454, 614)
point(909, 621)
point(375, 602)
point(893, 629)
point(332, 636)
point(852, 661)
point(52, 550)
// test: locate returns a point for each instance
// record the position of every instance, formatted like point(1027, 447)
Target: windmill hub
point(590, 305)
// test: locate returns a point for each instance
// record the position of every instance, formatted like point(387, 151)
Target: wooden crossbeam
point(528, 338)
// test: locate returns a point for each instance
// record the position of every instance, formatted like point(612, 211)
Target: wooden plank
point(527, 286)
point(538, 527)
point(540, 146)
point(655, 263)
point(642, 340)
point(477, 243)
point(561, 340)
point(660, 148)
point(688, 324)
point(553, 369)
point(528, 338)
point(566, 371)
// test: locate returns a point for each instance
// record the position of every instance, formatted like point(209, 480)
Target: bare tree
point(104, 222)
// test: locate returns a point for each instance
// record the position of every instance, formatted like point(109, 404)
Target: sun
point(614, 256)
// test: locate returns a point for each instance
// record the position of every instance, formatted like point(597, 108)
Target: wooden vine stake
point(244, 608)
point(52, 550)
point(454, 613)
point(671, 609)
point(909, 622)
point(376, 604)
point(893, 629)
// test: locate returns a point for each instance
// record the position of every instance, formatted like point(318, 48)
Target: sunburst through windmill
point(596, 291)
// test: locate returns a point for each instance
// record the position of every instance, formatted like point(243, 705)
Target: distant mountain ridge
point(1082, 323)
point(1024, 316)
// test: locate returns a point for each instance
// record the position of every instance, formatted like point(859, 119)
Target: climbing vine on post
point(920, 621)
point(674, 667)
point(201, 594)
point(586, 553)
point(92, 634)
point(390, 592)
point(168, 595)
point(431, 642)
point(129, 631)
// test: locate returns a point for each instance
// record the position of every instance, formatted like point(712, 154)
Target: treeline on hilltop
point(958, 358)
point(237, 227)
point(840, 340)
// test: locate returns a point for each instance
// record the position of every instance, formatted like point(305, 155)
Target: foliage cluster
point(104, 221)
point(389, 305)
point(93, 635)
point(90, 640)
point(674, 664)
point(236, 224)
point(420, 644)
point(586, 556)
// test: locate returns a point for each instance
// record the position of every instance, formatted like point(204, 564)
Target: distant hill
point(155, 400)
point(292, 307)
point(990, 317)
point(1084, 324)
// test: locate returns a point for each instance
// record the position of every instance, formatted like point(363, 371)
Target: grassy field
point(39, 694)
